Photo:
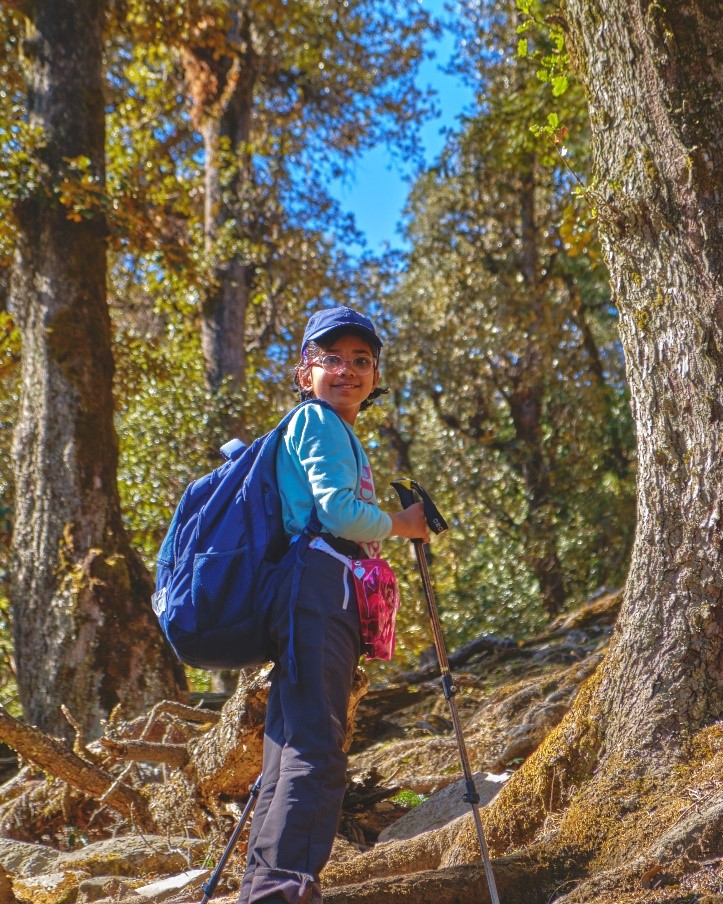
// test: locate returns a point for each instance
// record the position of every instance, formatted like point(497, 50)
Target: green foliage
point(472, 324)
point(320, 82)
point(512, 389)
point(541, 19)
point(408, 798)
point(170, 425)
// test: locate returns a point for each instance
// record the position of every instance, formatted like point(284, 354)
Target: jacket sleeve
point(326, 453)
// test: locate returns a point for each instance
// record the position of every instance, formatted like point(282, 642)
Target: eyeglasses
point(335, 364)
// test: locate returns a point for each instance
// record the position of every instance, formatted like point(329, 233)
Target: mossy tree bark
point(657, 125)
point(655, 85)
point(85, 634)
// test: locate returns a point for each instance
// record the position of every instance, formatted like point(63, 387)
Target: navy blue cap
point(330, 320)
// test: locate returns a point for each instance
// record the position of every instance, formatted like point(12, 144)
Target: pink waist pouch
point(377, 596)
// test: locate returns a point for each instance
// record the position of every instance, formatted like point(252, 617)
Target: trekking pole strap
point(408, 491)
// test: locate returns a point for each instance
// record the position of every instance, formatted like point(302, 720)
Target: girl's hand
point(410, 523)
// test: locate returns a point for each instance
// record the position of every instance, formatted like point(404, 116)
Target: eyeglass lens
point(334, 363)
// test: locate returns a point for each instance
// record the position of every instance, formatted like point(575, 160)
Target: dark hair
point(314, 349)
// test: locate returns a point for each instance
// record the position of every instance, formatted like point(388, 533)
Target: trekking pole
point(408, 490)
point(209, 888)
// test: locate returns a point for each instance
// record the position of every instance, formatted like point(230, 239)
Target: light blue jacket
point(321, 462)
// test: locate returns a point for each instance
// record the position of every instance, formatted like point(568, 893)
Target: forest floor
point(404, 760)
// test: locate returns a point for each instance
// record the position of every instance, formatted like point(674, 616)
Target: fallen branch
point(54, 757)
point(187, 713)
point(505, 647)
point(174, 755)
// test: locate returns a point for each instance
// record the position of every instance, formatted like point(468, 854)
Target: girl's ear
point(305, 379)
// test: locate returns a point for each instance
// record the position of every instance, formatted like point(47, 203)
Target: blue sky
point(376, 189)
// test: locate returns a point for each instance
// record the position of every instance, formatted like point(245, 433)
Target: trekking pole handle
point(409, 492)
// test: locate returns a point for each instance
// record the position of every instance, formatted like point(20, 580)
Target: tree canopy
point(553, 346)
point(526, 404)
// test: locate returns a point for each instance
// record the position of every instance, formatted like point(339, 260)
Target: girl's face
point(346, 390)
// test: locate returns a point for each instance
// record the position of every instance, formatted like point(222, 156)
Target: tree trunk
point(651, 711)
point(223, 312)
point(85, 634)
point(527, 408)
point(222, 87)
point(655, 104)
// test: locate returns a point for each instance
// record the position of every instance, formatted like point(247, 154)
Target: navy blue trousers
point(304, 767)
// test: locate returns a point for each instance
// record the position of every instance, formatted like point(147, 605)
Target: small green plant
point(408, 798)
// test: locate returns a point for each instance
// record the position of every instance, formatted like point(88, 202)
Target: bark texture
point(527, 408)
point(84, 631)
point(654, 75)
point(222, 88)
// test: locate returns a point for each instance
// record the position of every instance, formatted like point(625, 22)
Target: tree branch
point(174, 755)
point(486, 643)
point(187, 713)
point(53, 757)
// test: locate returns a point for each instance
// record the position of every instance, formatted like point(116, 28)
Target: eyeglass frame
point(344, 361)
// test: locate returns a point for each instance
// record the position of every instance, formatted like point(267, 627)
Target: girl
point(322, 468)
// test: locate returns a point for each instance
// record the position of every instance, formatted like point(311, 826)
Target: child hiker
point(315, 624)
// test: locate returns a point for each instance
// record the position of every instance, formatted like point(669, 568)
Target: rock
point(168, 888)
point(443, 807)
point(50, 888)
point(99, 887)
point(7, 896)
point(132, 855)
point(43, 875)
point(22, 859)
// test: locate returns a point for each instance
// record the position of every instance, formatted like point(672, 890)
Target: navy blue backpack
point(224, 557)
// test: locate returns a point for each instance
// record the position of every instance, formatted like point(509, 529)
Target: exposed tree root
point(575, 823)
point(569, 801)
point(523, 878)
point(205, 758)
point(549, 778)
point(542, 785)
point(691, 846)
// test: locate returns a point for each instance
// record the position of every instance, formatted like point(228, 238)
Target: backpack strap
point(232, 449)
point(312, 529)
